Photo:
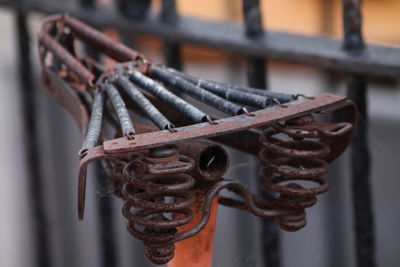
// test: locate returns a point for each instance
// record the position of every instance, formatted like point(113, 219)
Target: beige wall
point(381, 17)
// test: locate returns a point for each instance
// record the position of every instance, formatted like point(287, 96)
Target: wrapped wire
point(94, 129)
point(144, 104)
point(189, 88)
point(281, 97)
point(227, 93)
point(211, 85)
point(120, 110)
point(167, 97)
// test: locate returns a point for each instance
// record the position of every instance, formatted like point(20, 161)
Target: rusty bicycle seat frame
point(74, 81)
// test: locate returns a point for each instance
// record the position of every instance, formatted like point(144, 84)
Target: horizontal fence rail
point(323, 52)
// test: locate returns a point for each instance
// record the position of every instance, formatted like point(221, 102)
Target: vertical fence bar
point(105, 211)
point(87, 3)
point(134, 9)
point(172, 50)
point(333, 234)
point(90, 4)
point(26, 81)
point(271, 243)
point(256, 67)
point(360, 156)
point(256, 75)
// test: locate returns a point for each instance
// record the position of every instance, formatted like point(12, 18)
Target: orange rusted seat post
point(197, 250)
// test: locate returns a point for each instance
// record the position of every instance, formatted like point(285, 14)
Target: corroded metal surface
point(322, 52)
point(223, 126)
point(295, 151)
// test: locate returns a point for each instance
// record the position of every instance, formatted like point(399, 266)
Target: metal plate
point(223, 126)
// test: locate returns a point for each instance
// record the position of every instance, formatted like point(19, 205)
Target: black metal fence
point(351, 56)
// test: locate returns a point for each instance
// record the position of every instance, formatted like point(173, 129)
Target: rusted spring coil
point(289, 160)
point(114, 169)
point(151, 218)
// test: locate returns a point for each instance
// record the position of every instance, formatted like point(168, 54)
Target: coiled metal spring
point(114, 169)
point(157, 198)
point(293, 152)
